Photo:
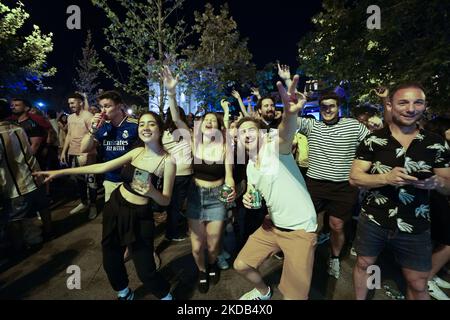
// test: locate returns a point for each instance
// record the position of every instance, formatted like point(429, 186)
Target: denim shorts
point(411, 251)
point(203, 204)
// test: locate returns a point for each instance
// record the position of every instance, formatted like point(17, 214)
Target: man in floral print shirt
point(399, 164)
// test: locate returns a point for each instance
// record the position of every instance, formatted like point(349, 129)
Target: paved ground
point(41, 273)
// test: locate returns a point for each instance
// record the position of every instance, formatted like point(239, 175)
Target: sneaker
point(222, 262)
point(78, 208)
point(214, 273)
point(256, 295)
point(168, 297)
point(129, 296)
point(441, 282)
point(279, 255)
point(323, 237)
point(334, 267)
point(203, 282)
point(436, 292)
point(177, 239)
point(92, 212)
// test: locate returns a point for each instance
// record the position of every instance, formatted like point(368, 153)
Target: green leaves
point(412, 45)
point(22, 57)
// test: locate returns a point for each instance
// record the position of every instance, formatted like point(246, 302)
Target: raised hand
point(170, 82)
point(48, 175)
point(255, 91)
point(284, 72)
point(293, 100)
point(382, 92)
point(225, 105)
point(236, 95)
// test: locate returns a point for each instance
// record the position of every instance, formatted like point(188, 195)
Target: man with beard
point(33, 125)
point(266, 111)
point(36, 133)
point(332, 145)
point(399, 164)
point(79, 123)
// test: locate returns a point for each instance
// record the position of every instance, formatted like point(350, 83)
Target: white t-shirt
point(281, 184)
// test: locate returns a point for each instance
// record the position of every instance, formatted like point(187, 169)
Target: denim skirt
point(203, 204)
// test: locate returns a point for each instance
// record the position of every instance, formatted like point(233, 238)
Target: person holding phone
point(148, 176)
point(399, 165)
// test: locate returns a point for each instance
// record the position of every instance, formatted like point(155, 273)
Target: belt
point(283, 229)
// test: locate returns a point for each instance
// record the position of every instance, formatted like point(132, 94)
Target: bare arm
point(170, 83)
point(360, 178)
point(163, 198)
point(237, 96)
point(285, 74)
point(439, 182)
point(226, 113)
point(88, 143)
point(292, 106)
point(92, 169)
point(35, 144)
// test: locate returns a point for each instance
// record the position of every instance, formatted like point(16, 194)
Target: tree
point(88, 70)
point(22, 58)
point(141, 40)
point(222, 60)
point(266, 79)
point(413, 44)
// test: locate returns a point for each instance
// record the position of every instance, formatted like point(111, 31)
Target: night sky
point(273, 28)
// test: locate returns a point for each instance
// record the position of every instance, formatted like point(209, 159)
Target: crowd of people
point(264, 176)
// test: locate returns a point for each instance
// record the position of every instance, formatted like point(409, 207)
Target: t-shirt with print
point(405, 208)
point(115, 142)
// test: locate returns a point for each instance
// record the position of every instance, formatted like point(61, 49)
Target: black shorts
point(26, 206)
point(338, 199)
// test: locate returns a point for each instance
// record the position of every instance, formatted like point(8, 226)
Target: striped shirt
point(332, 147)
point(16, 162)
point(179, 147)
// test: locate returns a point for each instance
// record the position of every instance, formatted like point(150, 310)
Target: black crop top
point(127, 175)
point(208, 172)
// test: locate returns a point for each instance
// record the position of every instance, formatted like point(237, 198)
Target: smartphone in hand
point(422, 175)
point(141, 178)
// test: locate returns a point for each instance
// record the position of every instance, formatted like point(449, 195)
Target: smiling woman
point(148, 176)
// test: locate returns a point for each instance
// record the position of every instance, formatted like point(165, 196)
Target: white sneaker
point(92, 212)
point(256, 295)
point(334, 267)
point(436, 292)
point(441, 282)
point(78, 208)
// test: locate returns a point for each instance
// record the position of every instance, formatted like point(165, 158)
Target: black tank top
point(127, 175)
point(208, 172)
